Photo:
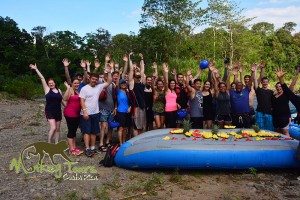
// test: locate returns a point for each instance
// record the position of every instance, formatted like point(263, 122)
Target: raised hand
point(97, 63)
point(141, 56)
point(107, 57)
point(166, 68)
point(66, 84)
point(33, 66)
point(240, 69)
point(262, 64)
point(254, 67)
point(280, 73)
point(234, 72)
point(125, 58)
point(189, 72)
point(82, 64)
point(154, 65)
point(88, 63)
point(107, 67)
point(116, 66)
point(66, 62)
point(173, 72)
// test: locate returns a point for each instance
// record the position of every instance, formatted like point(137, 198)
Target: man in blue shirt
point(239, 100)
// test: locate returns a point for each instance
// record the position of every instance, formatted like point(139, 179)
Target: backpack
point(108, 160)
point(103, 95)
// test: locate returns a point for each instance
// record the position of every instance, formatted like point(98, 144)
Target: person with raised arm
point(295, 99)
point(208, 105)
point(159, 101)
point(222, 95)
point(72, 114)
point(196, 102)
point(107, 110)
point(136, 88)
point(264, 97)
point(149, 103)
point(170, 95)
point(239, 99)
point(280, 109)
point(90, 116)
point(123, 105)
point(53, 105)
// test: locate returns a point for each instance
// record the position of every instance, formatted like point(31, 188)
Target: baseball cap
point(122, 81)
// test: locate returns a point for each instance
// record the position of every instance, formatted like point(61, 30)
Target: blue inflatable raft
point(294, 131)
point(151, 150)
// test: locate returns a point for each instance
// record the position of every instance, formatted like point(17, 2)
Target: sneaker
point(89, 153)
point(79, 151)
point(94, 151)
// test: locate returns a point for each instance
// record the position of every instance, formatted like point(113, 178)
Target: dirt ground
point(23, 122)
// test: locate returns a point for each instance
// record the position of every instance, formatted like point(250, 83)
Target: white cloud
point(276, 16)
point(277, 2)
point(134, 14)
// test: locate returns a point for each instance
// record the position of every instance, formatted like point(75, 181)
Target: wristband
point(84, 109)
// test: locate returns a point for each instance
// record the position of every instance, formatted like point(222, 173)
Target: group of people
point(140, 102)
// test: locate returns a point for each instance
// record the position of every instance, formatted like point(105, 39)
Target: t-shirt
point(196, 105)
point(123, 101)
point(239, 101)
point(81, 85)
point(91, 96)
point(281, 106)
point(264, 100)
point(108, 103)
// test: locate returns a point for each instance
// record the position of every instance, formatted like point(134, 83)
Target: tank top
point(223, 101)
point(73, 106)
point(53, 102)
point(207, 104)
point(159, 103)
point(171, 104)
point(196, 105)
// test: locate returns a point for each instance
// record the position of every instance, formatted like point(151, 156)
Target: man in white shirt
point(89, 97)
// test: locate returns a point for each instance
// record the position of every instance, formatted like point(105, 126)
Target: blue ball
point(204, 64)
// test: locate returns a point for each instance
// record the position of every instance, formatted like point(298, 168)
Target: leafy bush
point(24, 87)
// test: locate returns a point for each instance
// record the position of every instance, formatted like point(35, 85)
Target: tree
point(15, 48)
point(97, 44)
point(289, 26)
point(38, 34)
point(226, 14)
point(263, 28)
point(181, 16)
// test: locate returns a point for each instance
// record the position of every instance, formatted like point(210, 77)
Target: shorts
point(224, 118)
point(90, 126)
point(197, 122)
point(124, 119)
point(139, 118)
point(53, 115)
point(264, 121)
point(241, 120)
point(158, 113)
point(106, 115)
